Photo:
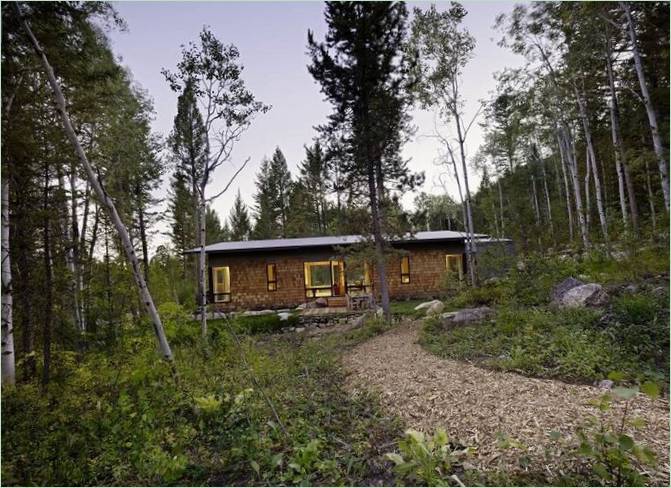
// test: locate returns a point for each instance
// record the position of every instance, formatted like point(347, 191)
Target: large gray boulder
point(466, 316)
point(562, 288)
point(424, 305)
point(589, 295)
point(435, 308)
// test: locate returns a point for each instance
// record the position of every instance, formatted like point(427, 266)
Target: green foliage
point(263, 324)
point(118, 418)
point(615, 457)
point(429, 461)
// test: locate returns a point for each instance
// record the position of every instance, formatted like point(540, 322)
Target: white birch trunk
point(8, 357)
point(547, 201)
point(202, 288)
point(104, 199)
point(591, 155)
point(649, 108)
point(569, 151)
point(651, 198)
point(567, 188)
point(498, 183)
point(588, 193)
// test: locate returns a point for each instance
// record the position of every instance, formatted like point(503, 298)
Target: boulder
point(605, 384)
point(360, 320)
point(321, 302)
point(299, 329)
point(589, 295)
point(254, 313)
point(466, 316)
point(521, 266)
point(560, 290)
point(284, 315)
point(424, 305)
point(436, 308)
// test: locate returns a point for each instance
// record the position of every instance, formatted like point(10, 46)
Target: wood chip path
point(474, 405)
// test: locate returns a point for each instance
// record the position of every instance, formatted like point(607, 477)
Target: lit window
point(358, 279)
point(318, 279)
point(271, 275)
point(222, 284)
point(405, 269)
point(454, 265)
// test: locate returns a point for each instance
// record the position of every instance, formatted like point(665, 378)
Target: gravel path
point(476, 406)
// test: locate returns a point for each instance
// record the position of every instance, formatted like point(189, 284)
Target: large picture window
point(271, 276)
point(454, 265)
point(405, 269)
point(324, 278)
point(358, 279)
point(221, 278)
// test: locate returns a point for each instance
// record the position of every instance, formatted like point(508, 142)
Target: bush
point(263, 324)
point(180, 327)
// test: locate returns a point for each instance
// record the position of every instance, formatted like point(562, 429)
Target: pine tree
point(363, 70)
point(280, 182)
point(240, 224)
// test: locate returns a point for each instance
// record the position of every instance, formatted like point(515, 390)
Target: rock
point(521, 266)
point(299, 329)
point(631, 288)
point(436, 308)
point(424, 305)
point(321, 302)
point(284, 315)
point(605, 384)
point(466, 316)
point(379, 312)
point(254, 313)
point(494, 280)
point(560, 290)
point(360, 320)
point(618, 256)
point(659, 291)
point(589, 295)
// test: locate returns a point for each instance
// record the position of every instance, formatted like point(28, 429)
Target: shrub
point(179, 325)
point(430, 461)
point(263, 324)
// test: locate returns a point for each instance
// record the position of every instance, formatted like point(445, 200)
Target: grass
point(530, 336)
point(118, 418)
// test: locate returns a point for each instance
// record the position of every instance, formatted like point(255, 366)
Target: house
point(283, 273)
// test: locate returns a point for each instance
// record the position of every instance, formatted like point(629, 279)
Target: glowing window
point(271, 276)
point(454, 265)
point(222, 284)
point(405, 269)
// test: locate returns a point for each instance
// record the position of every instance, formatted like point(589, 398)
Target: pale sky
point(272, 40)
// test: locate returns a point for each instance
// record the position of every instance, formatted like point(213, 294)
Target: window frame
point(271, 285)
point(460, 260)
point(405, 276)
point(217, 296)
point(312, 291)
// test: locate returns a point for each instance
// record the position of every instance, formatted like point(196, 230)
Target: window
point(324, 279)
point(271, 276)
point(221, 278)
point(318, 279)
point(405, 269)
point(358, 279)
point(454, 265)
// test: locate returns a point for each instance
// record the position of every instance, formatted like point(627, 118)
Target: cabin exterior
point(284, 273)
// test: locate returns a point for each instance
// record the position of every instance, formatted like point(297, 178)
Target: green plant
point(263, 324)
point(616, 458)
point(431, 460)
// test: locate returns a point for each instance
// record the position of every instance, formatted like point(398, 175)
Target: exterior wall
point(249, 286)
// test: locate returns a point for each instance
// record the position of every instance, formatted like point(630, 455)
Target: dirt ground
point(477, 406)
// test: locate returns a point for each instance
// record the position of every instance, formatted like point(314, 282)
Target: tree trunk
point(143, 241)
point(567, 188)
point(48, 284)
point(547, 202)
point(8, 355)
point(588, 193)
point(498, 184)
point(471, 248)
point(623, 179)
point(651, 198)
point(104, 198)
point(569, 151)
point(649, 107)
point(202, 299)
point(591, 155)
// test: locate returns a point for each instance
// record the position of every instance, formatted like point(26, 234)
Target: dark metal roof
point(324, 241)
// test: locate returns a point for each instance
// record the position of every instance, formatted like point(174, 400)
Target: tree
point(363, 69)
point(315, 178)
point(212, 72)
point(444, 50)
point(216, 232)
point(100, 193)
point(279, 181)
point(241, 226)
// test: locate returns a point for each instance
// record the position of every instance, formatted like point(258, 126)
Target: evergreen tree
point(280, 183)
point(315, 179)
point(363, 70)
point(216, 232)
point(240, 224)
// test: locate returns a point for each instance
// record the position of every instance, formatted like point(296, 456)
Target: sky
point(272, 40)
